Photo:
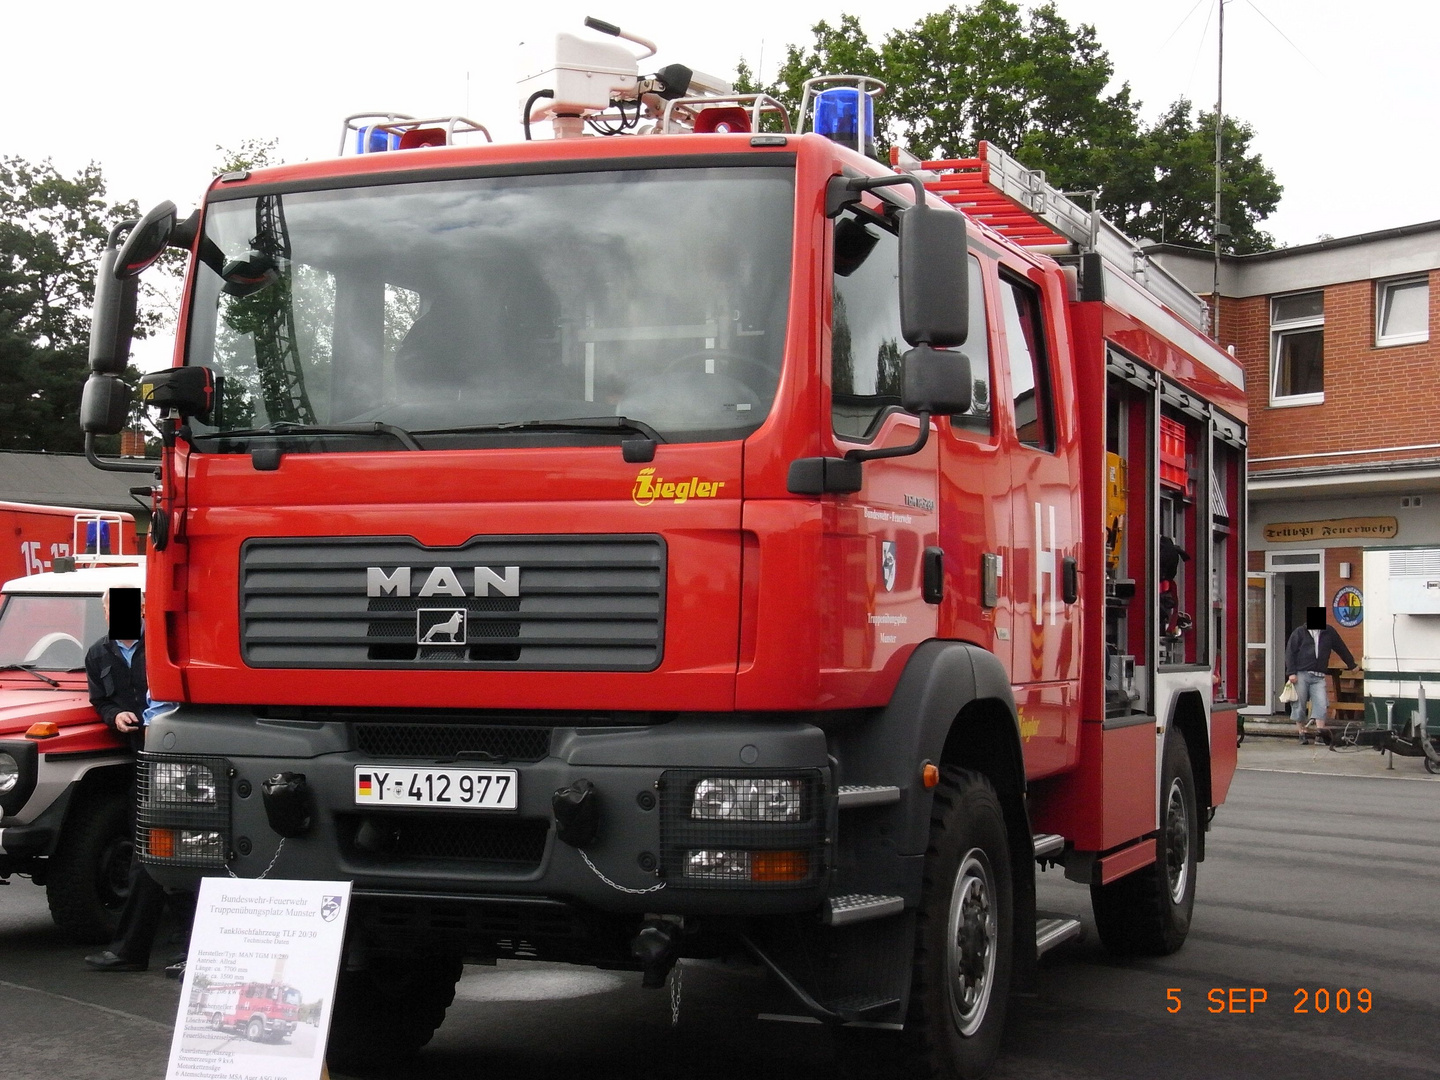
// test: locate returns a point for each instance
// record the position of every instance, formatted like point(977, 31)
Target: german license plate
point(461, 789)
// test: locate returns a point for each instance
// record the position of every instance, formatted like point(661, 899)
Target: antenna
point(1219, 168)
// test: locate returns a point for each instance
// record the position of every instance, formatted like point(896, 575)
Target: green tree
point(52, 230)
point(1166, 191)
point(1037, 87)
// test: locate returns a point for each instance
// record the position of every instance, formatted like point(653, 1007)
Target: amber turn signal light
point(929, 774)
point(42, 729)
point(162, 843)
point(779, 866)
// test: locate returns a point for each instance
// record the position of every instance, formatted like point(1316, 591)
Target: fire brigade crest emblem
point(887, 564)
point(329, 908)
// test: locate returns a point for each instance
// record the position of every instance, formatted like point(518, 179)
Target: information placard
point(260, 980)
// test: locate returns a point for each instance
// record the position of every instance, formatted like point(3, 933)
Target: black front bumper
point(506, 865)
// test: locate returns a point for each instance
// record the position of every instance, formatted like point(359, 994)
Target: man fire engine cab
point(690, 543)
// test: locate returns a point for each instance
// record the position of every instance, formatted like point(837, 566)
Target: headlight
point(739, 798)
point(182, 782)
point(9, 773)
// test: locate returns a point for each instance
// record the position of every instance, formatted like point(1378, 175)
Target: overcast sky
point(1342, 97)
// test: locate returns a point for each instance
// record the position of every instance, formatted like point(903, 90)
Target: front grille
point(445, 741)
point(508, 844)
point(591, 603)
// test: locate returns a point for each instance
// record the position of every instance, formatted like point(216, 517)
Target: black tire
point(1147, 913)
point(965, 935)
point(89, 876)
point(255, 1030)
point(387, 1012)
point(217, 1022)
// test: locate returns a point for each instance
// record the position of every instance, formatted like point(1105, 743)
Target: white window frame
point(1383, 292)
point(1283, 328)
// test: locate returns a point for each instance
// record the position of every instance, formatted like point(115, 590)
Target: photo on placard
point(253, 1003)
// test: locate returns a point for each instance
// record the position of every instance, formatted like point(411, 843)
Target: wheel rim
point(971, 940)
point(1177, 842)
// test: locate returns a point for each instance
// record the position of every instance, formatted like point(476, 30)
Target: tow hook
point(288, 803)
point(656, 947)
point(577, 813)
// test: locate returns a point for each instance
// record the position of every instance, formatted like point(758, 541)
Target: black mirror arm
point(842, 191)
point(113, 464)
point(896, 451)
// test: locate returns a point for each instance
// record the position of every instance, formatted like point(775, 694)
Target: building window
point(1297, 349)
point(1402, 311)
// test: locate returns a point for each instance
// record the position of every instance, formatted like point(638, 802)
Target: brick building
point(1340, 341)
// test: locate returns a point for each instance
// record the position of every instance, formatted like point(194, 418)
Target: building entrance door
point(1294, 586)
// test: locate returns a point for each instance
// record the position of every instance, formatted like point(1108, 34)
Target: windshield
point(654, 295)
point(49, 633)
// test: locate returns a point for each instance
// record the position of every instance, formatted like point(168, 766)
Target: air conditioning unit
point(1415, 581)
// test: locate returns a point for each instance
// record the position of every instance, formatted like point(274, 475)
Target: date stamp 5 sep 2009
point(1249, 999)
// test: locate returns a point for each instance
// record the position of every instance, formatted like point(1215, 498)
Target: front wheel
point(1147, 913)
point(255, 1030)
point(965, 937)
point(385, 1013)
point(90, 870)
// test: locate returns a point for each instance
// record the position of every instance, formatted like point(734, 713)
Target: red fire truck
point(38, 535)
point(261, 1011)
point(700, 542)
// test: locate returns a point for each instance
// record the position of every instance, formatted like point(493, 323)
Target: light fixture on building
point(1344, 571)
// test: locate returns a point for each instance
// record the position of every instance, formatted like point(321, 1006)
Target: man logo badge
point(887, 564)
point(440, 626)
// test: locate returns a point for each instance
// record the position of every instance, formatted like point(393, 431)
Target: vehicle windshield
point(49, 633)
point(528, 310)
point(291, 996)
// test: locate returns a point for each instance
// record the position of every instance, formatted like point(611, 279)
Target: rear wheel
point(965, 935)
point(385, 1013)
point(89, 876)
point(1147, 913)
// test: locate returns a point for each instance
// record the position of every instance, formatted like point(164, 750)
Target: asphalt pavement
point(1320, 883)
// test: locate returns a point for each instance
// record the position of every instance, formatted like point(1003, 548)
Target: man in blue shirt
point(115, 670)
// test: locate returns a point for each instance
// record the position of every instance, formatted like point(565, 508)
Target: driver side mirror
point(112, 323)
point(147, 241)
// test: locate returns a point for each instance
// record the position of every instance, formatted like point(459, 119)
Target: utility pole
point(1219, 149)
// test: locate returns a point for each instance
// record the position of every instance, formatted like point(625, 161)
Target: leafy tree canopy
point(52, 230)
point(1037, 87)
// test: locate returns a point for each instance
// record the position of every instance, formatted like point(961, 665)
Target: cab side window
point(865, 341)
point(977, 349)
point(1029, 367)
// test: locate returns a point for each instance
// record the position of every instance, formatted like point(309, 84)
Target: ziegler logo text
point(649, 487)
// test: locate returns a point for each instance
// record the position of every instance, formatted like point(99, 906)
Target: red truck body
point(37, 535)
point(970, 614)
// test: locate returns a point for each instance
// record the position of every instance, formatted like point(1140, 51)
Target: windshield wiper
point(284, 427)
point(569, 423)
point(29, 670)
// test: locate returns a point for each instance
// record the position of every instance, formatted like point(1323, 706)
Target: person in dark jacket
point(115, 671)
point(1172, 620)
point(1307, 657)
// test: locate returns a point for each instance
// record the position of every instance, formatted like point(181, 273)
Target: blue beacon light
point(836, 112)
point(372, 139)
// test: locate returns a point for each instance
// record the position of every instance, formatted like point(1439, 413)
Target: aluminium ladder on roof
point(1018, 203)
